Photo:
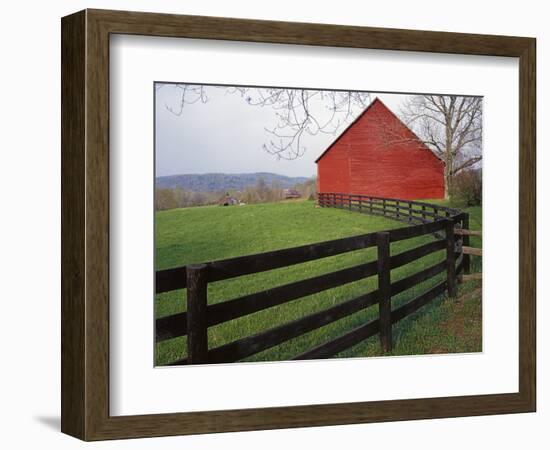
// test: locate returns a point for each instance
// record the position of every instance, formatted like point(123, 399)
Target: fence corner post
point(466, 242)
point(384, 290)
point(451, 268)
point(197, 329)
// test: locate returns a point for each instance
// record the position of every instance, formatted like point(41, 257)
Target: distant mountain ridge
point(212, 182)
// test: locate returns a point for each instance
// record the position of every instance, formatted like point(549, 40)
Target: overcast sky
point(227, 135)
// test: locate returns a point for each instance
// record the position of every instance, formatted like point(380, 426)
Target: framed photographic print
point(268, 224)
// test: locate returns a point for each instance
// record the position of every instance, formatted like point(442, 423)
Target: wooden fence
point(409, 211)
point(194, 323)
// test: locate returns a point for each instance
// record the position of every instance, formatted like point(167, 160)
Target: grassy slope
point(191, 235)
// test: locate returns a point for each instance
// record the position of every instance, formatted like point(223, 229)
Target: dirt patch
point(461, 324)
point(476, 293)
point(438, 349)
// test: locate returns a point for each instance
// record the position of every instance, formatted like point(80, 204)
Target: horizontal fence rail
point(424, 219)
point(410, 211)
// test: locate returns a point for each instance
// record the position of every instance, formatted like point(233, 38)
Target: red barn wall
point(379, 156)
point(337, 178)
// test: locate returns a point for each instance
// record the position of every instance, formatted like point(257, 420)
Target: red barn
point(379, 155)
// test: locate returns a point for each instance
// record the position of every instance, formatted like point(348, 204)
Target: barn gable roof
point(358, 118)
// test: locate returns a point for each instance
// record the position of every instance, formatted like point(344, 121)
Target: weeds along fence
point(194, 323)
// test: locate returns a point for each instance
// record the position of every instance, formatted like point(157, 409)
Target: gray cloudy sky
point(226, 134)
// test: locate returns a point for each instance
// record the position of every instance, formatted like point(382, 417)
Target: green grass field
point(201, 234)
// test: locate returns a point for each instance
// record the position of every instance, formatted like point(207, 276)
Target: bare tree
point(451, 126)
point(299, 112)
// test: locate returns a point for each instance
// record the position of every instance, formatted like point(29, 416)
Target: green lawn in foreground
point(201, 234)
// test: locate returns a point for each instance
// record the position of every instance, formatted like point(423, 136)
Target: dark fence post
point(466, 242)
point(197, 330)
point(451, 270)
point(384, 289)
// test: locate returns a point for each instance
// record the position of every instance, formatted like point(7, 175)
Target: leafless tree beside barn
point(451, 126)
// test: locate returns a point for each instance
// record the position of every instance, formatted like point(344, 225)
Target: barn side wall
point(379, 156)
point(333, 171)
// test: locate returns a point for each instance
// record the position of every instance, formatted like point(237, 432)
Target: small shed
point(291, 193)
point(227, 200)
point(378, 155)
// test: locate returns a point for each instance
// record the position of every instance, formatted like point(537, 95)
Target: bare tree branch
point(292, 109)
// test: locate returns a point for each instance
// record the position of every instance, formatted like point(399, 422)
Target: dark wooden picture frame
point(85, 224)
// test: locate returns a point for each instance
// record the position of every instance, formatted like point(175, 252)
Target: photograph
point(295, 224)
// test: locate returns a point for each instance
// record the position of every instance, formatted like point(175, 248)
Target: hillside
point(212, 182)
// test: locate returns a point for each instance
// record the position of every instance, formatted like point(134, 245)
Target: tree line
point(261, 192)
point(466, 190)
